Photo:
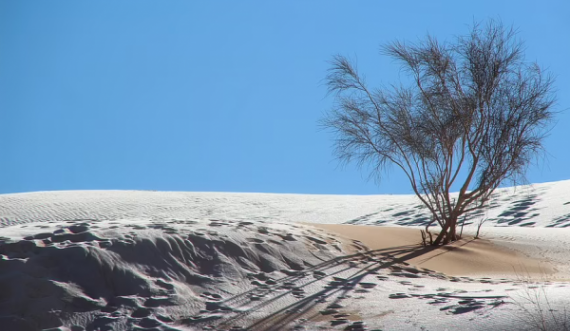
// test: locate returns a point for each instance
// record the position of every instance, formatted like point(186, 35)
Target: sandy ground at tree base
point(466, 257)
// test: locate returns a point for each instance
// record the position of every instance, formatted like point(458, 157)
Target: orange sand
point(467, 257)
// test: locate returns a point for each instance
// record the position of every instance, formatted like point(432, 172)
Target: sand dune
point(132, 260)
point(141, 273)
point(467, 257)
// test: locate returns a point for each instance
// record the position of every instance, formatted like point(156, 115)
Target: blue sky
point(220, 95)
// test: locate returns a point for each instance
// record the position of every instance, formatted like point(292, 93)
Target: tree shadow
point(384, 258)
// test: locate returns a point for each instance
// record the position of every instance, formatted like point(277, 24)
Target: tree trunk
point(452, 235)
point(441, 235)
point(448, 232)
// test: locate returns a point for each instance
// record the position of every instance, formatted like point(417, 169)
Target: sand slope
point(467, 257)
point(132, 273)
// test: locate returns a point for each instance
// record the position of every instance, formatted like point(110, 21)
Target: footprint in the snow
point(316, 240)
point(159, 301)
point(335, 305)
point(287, 237)
point(43, 235)
point(356, 326)
point(256, 297)
point(339, 321)
point(105, 243)
point(319, 274)
point(141, 313)
point(333, 284)
point(255, 240)
point(298, 292)
point(288, 285)
point(259, 284)
point(464, 307)
point(164, 284)
point(405, 274)
point(367, 285)
point(148, 323)
point(294, 273)
point(216, 306)
point(201, 318)
point(486, 281)
point(411, 269)
point(259, 276)
point(329, 312)
point(399, 296)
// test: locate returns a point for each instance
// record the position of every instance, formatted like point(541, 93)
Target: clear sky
point(220, 95)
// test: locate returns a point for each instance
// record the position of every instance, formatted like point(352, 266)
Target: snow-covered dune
point(538, 205)
point(138, 260)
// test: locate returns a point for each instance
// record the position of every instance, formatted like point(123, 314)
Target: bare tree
point(474, 116)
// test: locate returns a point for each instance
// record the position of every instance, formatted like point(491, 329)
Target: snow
point(128, 260)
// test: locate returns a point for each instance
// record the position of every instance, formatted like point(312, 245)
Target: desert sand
point(138, 260)
point(466, 257)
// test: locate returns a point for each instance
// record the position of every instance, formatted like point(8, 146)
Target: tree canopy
point(475, 115)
